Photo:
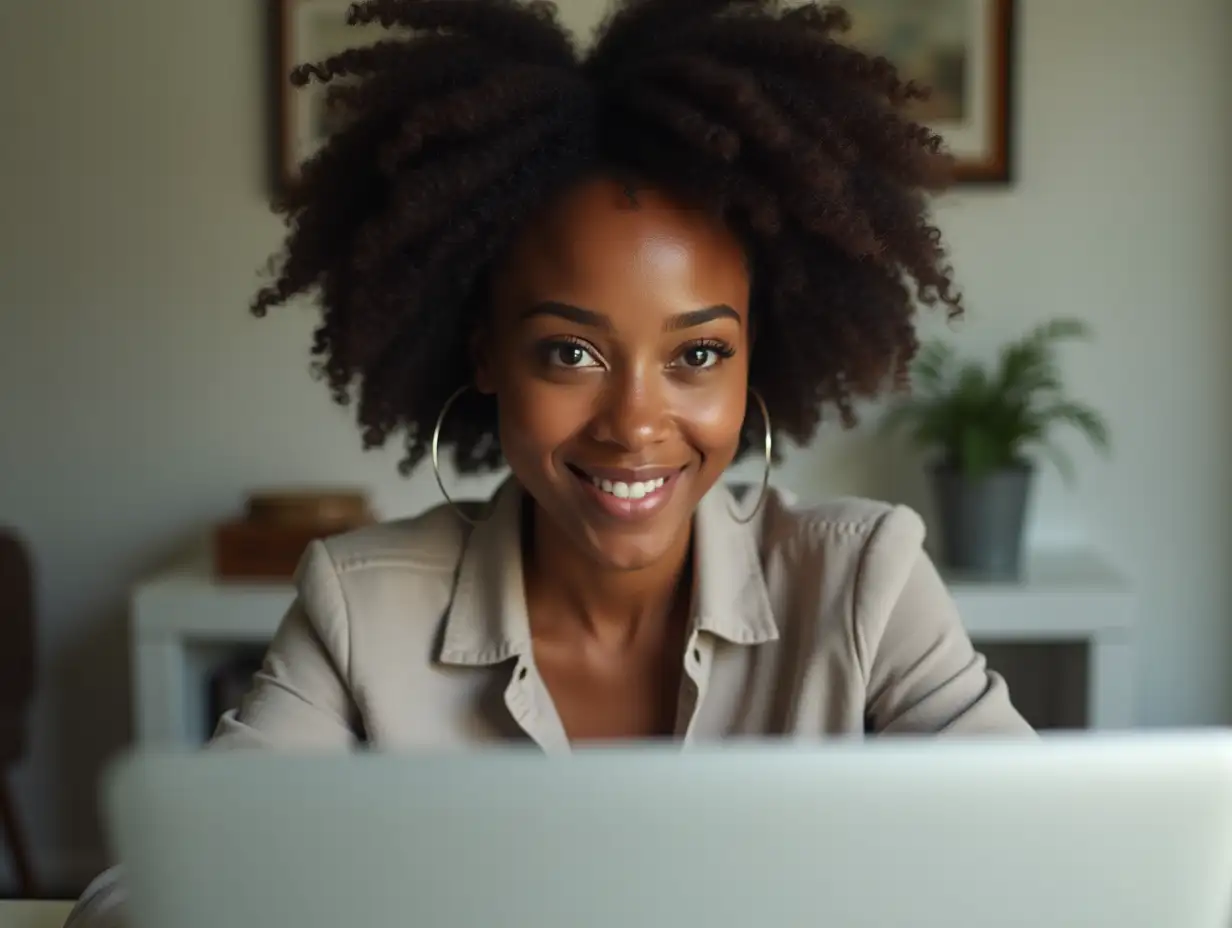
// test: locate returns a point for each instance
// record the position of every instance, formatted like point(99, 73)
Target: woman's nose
point(633, 412)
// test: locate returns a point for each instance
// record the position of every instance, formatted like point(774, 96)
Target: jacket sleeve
point(923, 674)
point(299, 700)
point(103, 903)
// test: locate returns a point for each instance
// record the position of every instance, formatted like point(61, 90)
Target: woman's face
point(618, 352)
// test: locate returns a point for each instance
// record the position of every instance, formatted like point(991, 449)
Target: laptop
point(1124, 831)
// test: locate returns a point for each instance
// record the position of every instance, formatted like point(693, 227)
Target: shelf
point(1063, 596)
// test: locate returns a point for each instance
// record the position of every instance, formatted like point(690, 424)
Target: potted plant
point(982, 425)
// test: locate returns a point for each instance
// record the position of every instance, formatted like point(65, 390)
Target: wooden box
point(268, 542)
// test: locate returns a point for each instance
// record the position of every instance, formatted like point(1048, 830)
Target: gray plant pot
point(982, 520)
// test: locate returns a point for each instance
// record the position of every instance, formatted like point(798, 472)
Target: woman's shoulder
point(840, 520)
point(366, 571)
point(849, 540)
point(428, 542)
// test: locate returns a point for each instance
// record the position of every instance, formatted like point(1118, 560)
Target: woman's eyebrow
point(697, 317)
point(570, 313)
point(596, 320)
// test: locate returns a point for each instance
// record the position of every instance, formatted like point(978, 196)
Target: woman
point(615, 274)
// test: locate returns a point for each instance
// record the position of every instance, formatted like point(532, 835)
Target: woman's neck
point(569, 594)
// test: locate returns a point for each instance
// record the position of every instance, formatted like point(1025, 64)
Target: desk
point(34, 914)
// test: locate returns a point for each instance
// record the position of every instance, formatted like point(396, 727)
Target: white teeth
point(636, 490)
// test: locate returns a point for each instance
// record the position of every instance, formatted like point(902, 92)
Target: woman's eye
point(699, 357)
point(571, 355)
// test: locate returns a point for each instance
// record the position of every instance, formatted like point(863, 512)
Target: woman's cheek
point(538, 417)
point(712, 415)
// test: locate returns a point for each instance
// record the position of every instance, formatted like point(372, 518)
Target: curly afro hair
point(472, 115)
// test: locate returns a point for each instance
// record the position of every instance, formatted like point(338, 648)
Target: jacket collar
point(487, 621)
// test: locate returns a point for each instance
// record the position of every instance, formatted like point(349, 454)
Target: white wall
point(138, 400)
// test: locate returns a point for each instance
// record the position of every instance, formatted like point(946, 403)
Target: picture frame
point(306, 31)
point(964, 51)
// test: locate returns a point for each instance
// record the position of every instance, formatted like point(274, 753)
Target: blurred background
point(140, 403)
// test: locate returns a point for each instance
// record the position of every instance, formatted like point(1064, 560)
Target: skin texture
point(618, 341)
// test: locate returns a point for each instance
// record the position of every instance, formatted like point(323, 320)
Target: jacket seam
point(355, 564)
point(344, 600)
point(857, 590)
point(850, 528)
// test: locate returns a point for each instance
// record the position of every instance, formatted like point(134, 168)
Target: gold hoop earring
point(436, 456)
point(769, 448)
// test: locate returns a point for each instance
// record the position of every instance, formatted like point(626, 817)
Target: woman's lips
point(628, 495)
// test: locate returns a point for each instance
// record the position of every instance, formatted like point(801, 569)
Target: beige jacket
point(811, 621)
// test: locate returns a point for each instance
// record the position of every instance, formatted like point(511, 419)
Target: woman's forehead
point(600, 238)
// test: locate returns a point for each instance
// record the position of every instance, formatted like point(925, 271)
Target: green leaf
point(1060, 460)
point(1089, 423)
point(982, 418)
point(931, 368)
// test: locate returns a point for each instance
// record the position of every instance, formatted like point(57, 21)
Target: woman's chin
point(628, 551)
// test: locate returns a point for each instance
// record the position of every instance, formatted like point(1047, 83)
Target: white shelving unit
point(185, 624)
point(1074, 602)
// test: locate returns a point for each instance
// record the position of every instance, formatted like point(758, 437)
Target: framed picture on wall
point(308, 31)
point(963, 50)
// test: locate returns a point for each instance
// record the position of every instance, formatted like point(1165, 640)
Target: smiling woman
point(582, 268)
